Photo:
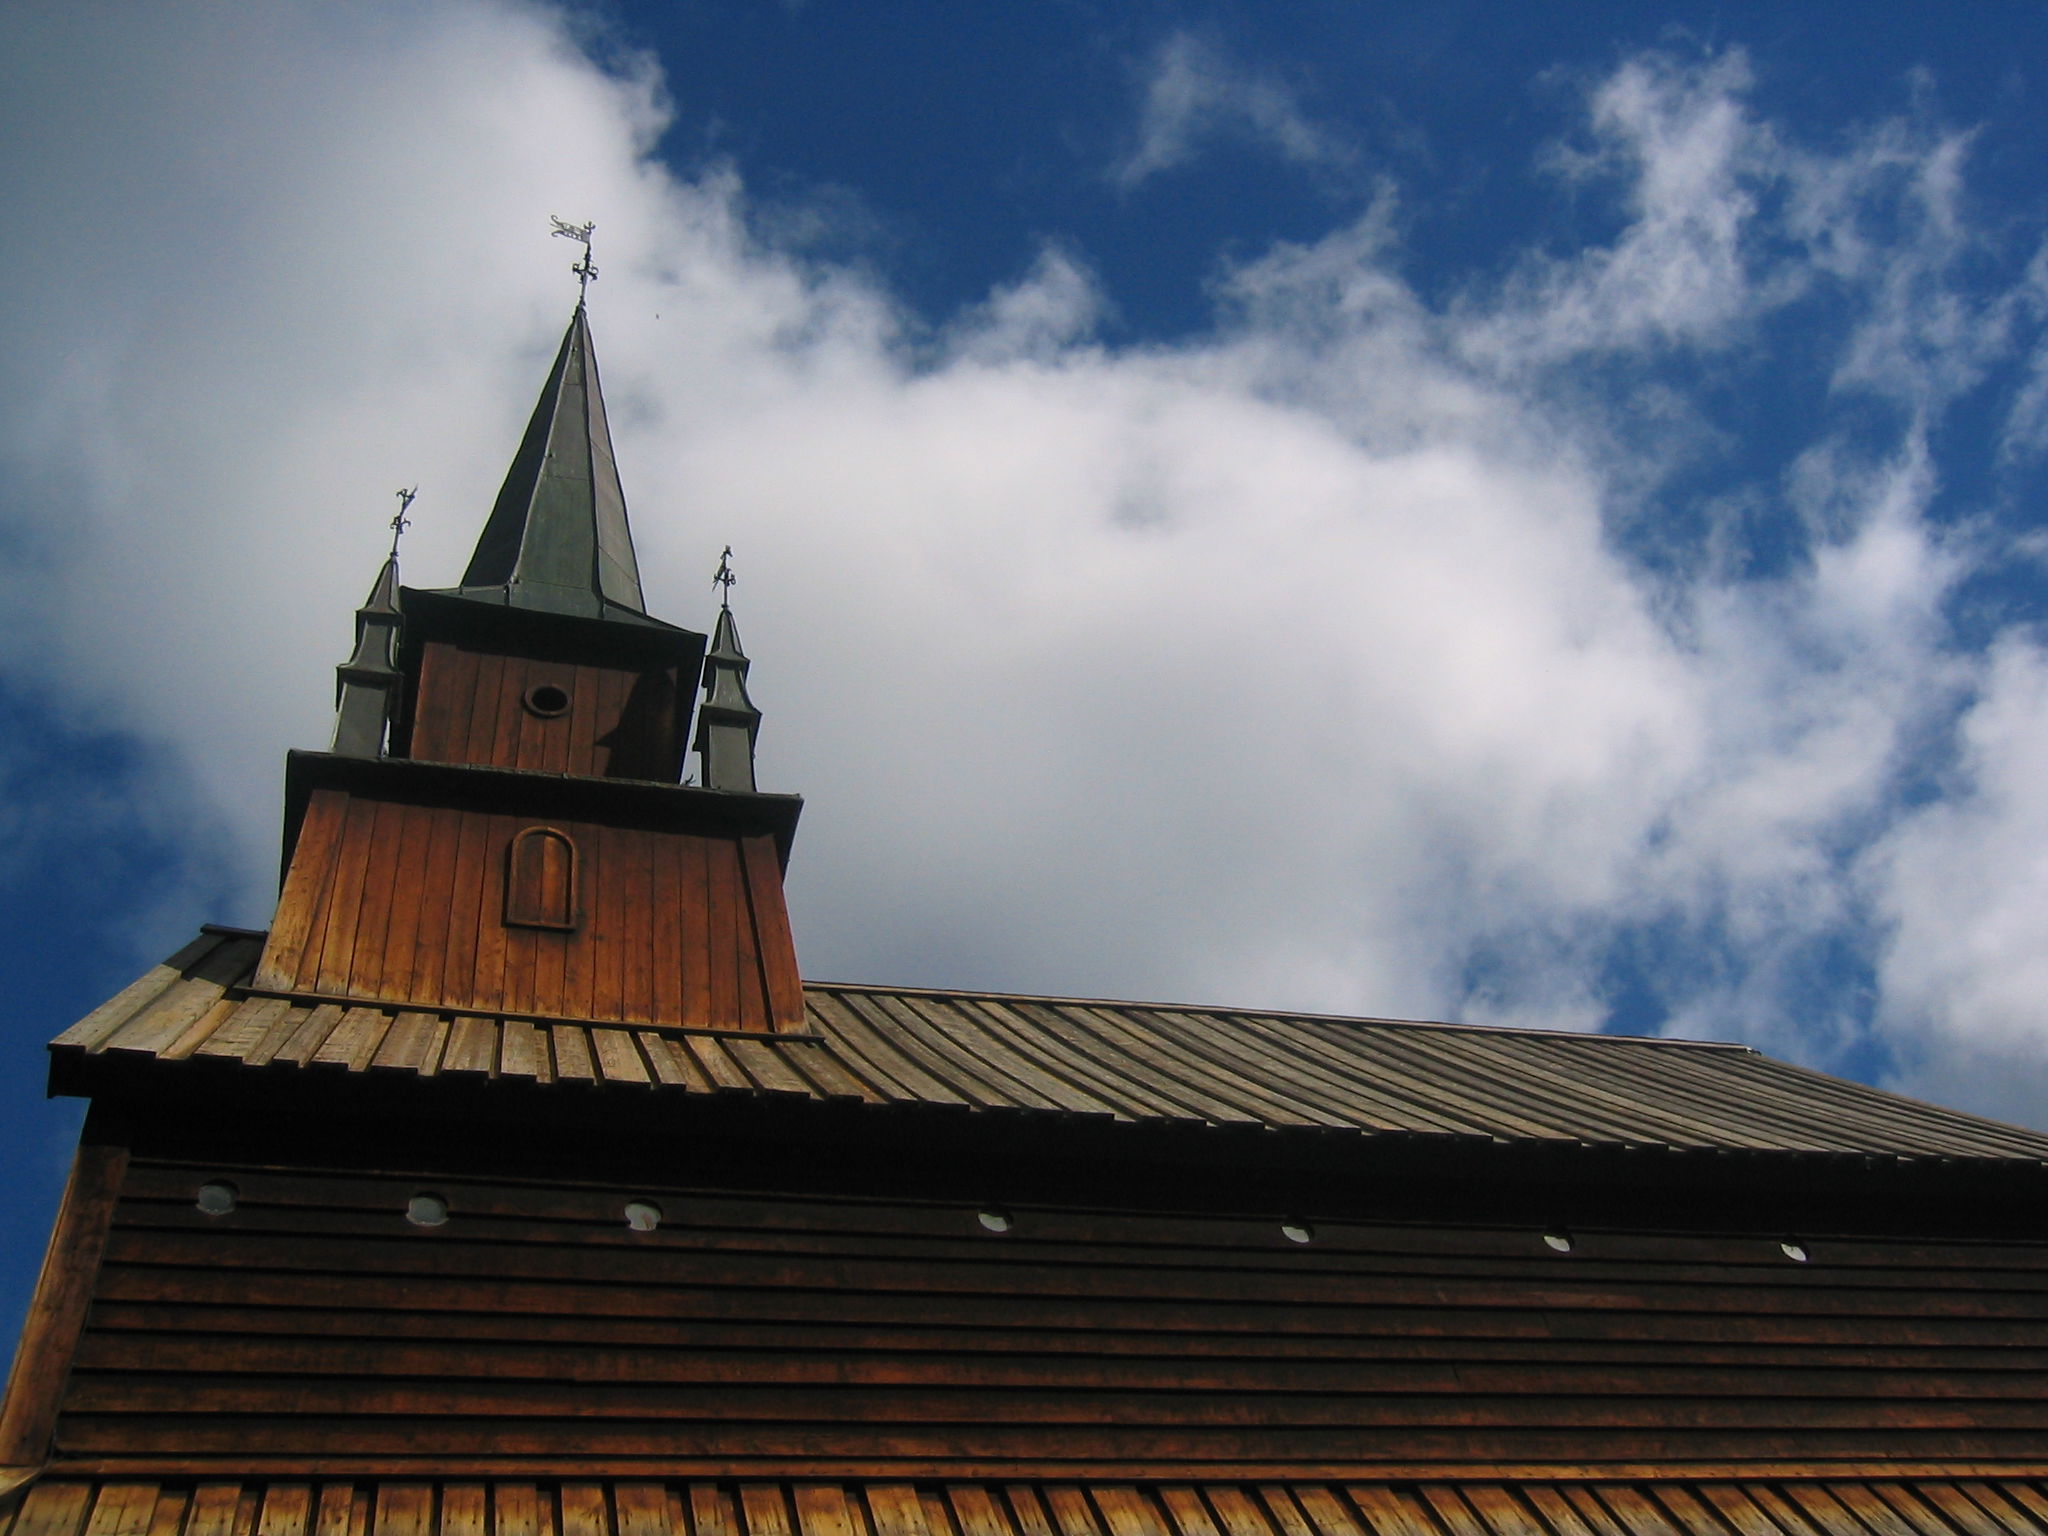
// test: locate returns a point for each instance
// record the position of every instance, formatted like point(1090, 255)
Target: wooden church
point(515, 1183)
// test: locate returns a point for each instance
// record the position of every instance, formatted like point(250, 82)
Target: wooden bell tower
point(502, 828)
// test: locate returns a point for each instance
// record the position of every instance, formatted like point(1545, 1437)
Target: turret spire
point(557, 539)
point(727, 722)
point(366, 685)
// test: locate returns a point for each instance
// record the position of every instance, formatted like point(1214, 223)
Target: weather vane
point(586, 269)
point(400, 522)
point(724, 579)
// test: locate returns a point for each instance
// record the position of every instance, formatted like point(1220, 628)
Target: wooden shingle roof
point(1893, 1507)
point(1103, 1061)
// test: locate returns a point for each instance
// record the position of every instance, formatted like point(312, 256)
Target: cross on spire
point(586, 269)
point(400, 522)
point(723, 579)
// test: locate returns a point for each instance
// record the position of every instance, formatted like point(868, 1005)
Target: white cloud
point(1194, 94)
point(1294, 663)
point(1683, 143)
point(1962, 883)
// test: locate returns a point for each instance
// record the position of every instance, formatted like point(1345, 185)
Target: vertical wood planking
point(612, 752)
point(437, 888)
point(470, 874)
point(389, 824)
point(57, 1309)
point(721, 913)
point(550, 967)
point(559, 756)
point(768, 910)
point(580, 749)
point(464, 704)
point(580, 959)
point(409, 899)
point(605, 934)
point(488, 988)
point(307, 887)
point(327, 964)
point(518, 992)
point(748, 982)
point(693, 918)
point(632, 875)
point(665, 946)
point(447, 695)
point(487, 723)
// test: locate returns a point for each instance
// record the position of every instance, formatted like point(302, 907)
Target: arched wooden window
point(540, 880)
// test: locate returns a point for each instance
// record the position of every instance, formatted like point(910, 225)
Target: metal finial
point(400, 522)
point(586, 269)
point(724, 578)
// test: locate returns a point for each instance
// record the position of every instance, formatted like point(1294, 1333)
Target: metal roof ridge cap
point(1511, 1030)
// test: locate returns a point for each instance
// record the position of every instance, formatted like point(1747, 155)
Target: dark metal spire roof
point(557, 539)
point(366, 683)
point(727, 721)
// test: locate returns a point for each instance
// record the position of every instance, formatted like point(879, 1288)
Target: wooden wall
point(407, 903)
point(471, 707)
point(316, 1329)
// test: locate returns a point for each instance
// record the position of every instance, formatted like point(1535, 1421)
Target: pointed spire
point(366, 685)
point(727, 721)
point(557, 539)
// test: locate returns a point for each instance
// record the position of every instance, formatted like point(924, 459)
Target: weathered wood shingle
point(1116, 1061)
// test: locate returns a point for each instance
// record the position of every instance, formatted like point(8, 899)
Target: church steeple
point(521, 845)
point(557, 539)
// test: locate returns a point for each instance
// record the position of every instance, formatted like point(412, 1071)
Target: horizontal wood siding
point(407, 904)
point(315, 1325)
point(619, 723)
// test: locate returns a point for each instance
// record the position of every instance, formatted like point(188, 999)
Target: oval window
point(424, 1210)
point(547, 700)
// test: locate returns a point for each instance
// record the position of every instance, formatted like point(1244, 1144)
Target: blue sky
point(1524, 514)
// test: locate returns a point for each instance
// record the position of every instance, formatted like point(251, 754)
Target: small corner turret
point(366, 685)
point(727, 721)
